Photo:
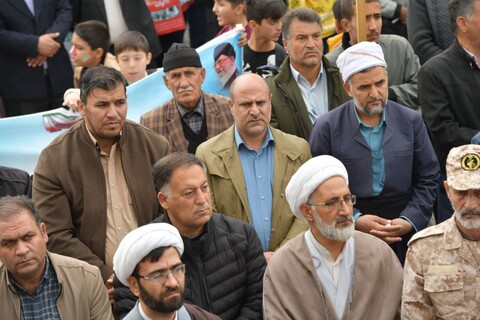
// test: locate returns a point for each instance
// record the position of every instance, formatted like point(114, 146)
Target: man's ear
point(162, 199)
point(462, 24)
point(81, 107)
point(133, 284)
point(347, 89)
point(165, 80)
point(43, 231)
point(285, 44)
point(307, 212)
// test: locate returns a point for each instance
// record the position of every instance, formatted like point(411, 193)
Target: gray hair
point(14, 206)
point(164, 168)
point(460, 8)
point(301, 14)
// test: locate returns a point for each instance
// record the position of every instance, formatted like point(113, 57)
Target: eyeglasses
point(220, 61)
point(336, 204)
point(161, 277)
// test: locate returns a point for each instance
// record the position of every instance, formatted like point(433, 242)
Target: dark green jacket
point(289, 112)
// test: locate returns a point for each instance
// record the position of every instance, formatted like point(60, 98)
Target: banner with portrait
point(23, 138)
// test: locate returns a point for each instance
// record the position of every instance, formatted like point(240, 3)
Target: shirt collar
point(298, 77)
point(95, 140)
point(239, 141)
point(46, 275)
point(472, 56)
point(199, 108)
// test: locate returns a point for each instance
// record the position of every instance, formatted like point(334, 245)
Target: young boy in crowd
point(133, 55)
point(230, 13)
point(262, 54)
point(336, 40)
point(90, 44)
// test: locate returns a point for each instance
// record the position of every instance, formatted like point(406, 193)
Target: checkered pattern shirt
point(43, 305)
point(193, 118)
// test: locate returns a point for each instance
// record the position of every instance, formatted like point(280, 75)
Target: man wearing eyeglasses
point(330, 271)
point(148, 261)
point(385, 147)
point(223, 256)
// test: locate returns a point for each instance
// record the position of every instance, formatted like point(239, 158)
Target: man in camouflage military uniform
point(441, 271)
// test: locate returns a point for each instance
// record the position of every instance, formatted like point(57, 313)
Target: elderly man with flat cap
point(191, 116)
point(148, 260)
point(385, 147)
point(330, 271)
point(441, 271)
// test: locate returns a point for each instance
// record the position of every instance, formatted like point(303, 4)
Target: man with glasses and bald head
point(326, 272)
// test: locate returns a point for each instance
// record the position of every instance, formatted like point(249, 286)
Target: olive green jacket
point(225, 177)
point(289, 112)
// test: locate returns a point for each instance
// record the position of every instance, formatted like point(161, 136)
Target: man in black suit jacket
point(34, 65)
point(135, 13)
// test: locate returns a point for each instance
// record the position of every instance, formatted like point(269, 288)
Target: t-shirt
point(263, 63)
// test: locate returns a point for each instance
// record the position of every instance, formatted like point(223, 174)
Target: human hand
point(268, 255)
point(47, 45)
point(109, 285)
point(71, 99)
point(36, 61)
point(379, 227)
point(242, 41)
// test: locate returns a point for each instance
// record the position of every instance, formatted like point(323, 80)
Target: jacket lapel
point(212, 115)
point(231, 160)
point(174, 129)
point(284, 156)
point(22, 7)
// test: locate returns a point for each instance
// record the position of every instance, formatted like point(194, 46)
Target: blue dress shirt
point(258, 174)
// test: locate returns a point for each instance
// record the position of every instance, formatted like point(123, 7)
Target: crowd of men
point(342, 186)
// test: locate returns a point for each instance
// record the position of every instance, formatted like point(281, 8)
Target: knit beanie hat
point(180, 55)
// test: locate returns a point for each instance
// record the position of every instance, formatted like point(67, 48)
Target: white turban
point(359, 57)
point(139, 242)
point(308, 177)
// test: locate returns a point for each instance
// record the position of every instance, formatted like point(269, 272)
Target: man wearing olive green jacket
point(250, 164)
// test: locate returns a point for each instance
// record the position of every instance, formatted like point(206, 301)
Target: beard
point(468, 223)
point(159, 304)
point(330, 231)
point(372, 110)
point(226, 73)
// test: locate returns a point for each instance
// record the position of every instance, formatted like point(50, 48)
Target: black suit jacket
point(19, 32)
point(135, 13)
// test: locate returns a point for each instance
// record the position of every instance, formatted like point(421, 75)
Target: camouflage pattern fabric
point(441, 277)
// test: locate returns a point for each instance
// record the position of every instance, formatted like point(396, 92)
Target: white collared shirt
point(315, 96)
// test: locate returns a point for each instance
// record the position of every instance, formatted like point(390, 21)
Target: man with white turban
point(385, 147)
point(330, 271)
point(148, 261)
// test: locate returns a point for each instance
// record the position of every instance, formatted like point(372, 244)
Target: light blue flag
point(23, 138)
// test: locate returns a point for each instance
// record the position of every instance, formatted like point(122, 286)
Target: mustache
point(344, 219)
point(374, 100)
point(469, 212)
